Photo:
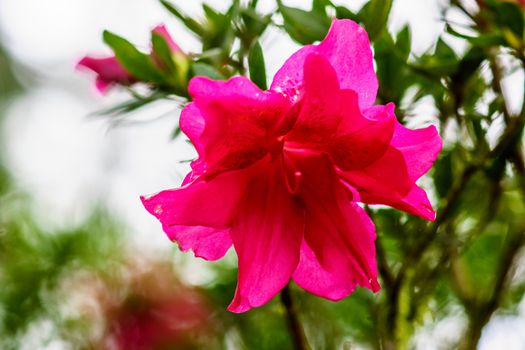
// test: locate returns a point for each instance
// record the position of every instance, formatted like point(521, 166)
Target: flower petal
point(338, 231)
point(267, 236)
point(312, 277)
point(391, 179)
point(200, 203)
point(238, 117)
point(109, 71)
point(362, 147)
point(320, 111)
point(162, 31)
point(330, 120)
point(348, 49)
point(415, 201)
point(206, 242)
point(192, 124)
point(419, 147)
point(203, 87)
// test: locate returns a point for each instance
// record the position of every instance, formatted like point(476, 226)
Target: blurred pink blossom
point(110, 71)
point(157, 313)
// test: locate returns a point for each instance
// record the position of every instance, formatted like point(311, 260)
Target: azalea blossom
point(280, 172)
point(111, 72)
point(158, 313)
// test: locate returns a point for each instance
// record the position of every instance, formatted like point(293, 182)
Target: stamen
point(292, 176)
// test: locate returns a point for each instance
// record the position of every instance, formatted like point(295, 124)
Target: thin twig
point(298, 337)
point(497, 77)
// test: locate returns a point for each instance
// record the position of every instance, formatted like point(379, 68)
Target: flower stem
point(298, 337)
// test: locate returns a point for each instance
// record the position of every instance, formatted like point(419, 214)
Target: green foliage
point(33, 262)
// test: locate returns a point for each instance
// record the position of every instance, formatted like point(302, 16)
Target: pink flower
point(163, 32)
point(109, 70)
point(280, 171)
point(146, 323)
point(151, 309)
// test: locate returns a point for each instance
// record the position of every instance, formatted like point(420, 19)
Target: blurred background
point(84, 266)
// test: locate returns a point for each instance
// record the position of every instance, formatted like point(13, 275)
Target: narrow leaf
point(257, 66)
point(303, 26)
point(206, 70)
point(189, 22)
point(377, 17)
point(162, 51)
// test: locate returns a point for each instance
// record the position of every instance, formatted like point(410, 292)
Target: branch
point(298, 337)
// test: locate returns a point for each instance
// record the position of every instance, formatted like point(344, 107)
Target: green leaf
point(377, 17)
point(440, 63)
point(485, 40)
point(303, 26)
point(443, 174)
point(162, 51)
point(342, 12)
point(133, 104)
point(480, 262)
point(403, 42)
point(392, 69)
point(257, 66)
point(175, 65)
point(319, 6)
point(444, 51)
point(135, 62)
point(216, 18)
point(189, 22)
point(219, 29)
point(203, 69)
point(254, 24)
